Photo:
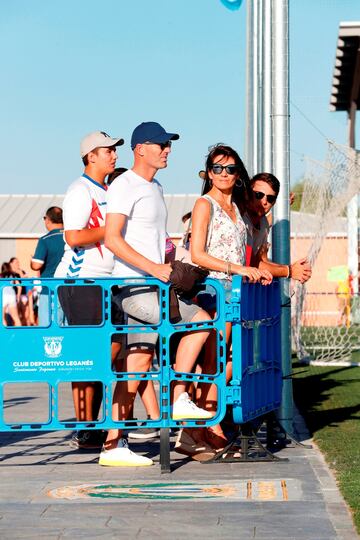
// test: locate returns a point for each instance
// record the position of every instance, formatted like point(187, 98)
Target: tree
point(298, 190)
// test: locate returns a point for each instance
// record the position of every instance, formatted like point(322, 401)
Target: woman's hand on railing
point(254, 275)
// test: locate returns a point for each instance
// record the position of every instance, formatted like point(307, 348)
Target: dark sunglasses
point(260, 195)
point(162, 145)
point(218, 169)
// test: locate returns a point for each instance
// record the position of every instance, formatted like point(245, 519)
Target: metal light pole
point(266, 87)
point(252, 86)
point(281, 169)
point(249, 149)
point(255, 87)
point(267, 133)
point(259, 77)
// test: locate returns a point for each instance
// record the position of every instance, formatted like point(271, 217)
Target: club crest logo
point(53, 346)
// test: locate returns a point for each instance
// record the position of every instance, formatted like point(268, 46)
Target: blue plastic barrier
point(55, 354)
point(255, 388)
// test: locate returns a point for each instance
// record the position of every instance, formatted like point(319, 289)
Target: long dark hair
point(6, 270)
point(242, 184)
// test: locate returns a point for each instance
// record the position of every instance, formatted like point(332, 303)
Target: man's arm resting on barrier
point(114, 241)
point(299, 270)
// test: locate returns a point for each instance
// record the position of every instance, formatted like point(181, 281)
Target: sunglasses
point(162, 145)
point(218, 169)
point(260, 195)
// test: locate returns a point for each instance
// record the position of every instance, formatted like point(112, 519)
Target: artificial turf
point(329, 400)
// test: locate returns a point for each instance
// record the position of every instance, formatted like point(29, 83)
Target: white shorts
point(9, 297)
point(141, 304)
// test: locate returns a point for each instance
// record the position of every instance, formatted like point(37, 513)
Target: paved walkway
point(41, 497)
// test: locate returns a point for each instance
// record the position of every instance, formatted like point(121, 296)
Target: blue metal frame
point(55, 354)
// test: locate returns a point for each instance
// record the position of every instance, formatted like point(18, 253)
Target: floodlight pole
point(281, 169)
point(267, 134)
point(259, 75)
point(258, 142)
point(249, 106)
point(254, 143)
point(266, 88)
point(252, 87)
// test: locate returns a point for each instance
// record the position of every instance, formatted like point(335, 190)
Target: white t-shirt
point(84, 207)
point(145, 231)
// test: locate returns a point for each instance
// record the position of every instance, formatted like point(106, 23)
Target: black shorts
point(117, 318)
point(82, 304)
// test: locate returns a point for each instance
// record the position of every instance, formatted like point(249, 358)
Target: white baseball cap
point(97, 139)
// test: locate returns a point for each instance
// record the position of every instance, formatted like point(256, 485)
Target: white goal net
point(325, 311)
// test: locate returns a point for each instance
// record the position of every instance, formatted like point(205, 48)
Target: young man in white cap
point(136, 233)
point(85, 256)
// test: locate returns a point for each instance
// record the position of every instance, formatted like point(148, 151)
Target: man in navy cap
point(135, 232)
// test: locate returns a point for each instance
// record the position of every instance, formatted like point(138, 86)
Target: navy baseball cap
point(151, 132)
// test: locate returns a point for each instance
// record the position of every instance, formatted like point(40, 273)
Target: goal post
point(325, 311)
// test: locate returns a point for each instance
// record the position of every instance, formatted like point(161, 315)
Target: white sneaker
point(185, 409)
point(122, 456)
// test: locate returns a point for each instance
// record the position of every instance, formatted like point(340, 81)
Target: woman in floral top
point(218, 230)
point(219, 245)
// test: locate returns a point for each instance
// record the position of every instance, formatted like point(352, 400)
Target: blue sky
point(71, 67)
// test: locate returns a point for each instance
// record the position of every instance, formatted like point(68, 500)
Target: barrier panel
point(56, 353)
point(255, 388)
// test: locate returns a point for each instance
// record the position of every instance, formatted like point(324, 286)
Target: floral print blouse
point(226, 240)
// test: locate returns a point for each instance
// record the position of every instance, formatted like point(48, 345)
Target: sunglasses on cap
point(218, 169)
point(162, 145)
point(260, 195)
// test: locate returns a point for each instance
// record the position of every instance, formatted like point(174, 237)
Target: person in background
point(16, 269)
point(182, 252)
point(23, 294)
point(344, 295)
point(10, 314)
point(115, 174)
point(47, 256)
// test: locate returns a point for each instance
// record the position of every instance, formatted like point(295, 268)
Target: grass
point(329, 400)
